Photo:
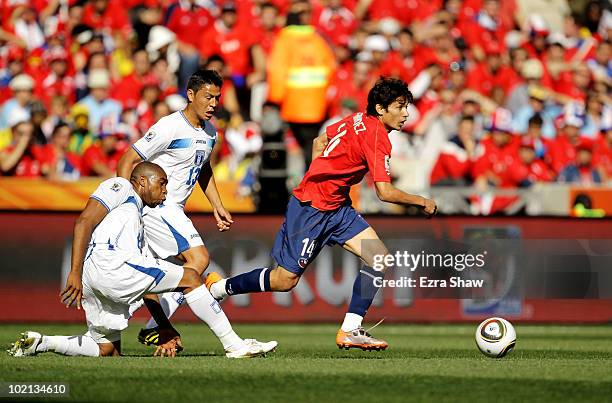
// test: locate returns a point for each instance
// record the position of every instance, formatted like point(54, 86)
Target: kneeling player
point(320, 213)
point(109, 273)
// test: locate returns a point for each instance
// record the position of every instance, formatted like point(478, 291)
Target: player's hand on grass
point(167, 335)
point(168, 349)
point(429, 207)
point(224, 219)
point(73, 292)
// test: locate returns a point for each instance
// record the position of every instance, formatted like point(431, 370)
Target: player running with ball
point(319, 213)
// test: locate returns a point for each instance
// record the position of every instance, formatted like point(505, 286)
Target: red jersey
point(357, 144)
point(189, 24)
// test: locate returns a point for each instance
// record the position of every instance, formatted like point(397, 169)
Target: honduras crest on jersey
point(199, 157)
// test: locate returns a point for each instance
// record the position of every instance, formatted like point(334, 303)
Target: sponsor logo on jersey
point(193, 236)
point(149, 136)
point(116, 186)
point(199, 157)
point(303, 262)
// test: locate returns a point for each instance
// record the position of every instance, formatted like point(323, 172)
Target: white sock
point(351, 322)
point(218, 289)
point(207, 309)
point(70, 345)
point(169, 301)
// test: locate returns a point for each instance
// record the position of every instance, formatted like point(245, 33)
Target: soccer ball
point(495, 337)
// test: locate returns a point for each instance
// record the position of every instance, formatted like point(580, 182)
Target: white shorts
point(168, 231)
point(108, 292)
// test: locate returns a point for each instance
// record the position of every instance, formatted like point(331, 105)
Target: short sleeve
point(112, 192)
point(378, 157)
point(156, 140)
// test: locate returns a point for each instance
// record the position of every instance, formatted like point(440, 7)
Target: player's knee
point(198, 259)
point(283, 280)
point(191, 278)
point(108, 350)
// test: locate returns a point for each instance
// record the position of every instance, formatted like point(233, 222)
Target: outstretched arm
point(88, 220)
point(127, 162)
point(209, 186)
point(390, 194)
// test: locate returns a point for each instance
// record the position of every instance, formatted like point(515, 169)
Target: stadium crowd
point(507, 92)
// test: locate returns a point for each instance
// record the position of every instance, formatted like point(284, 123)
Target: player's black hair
point(385, 92)
point(215, 58)
point(202, 77)
point(536, 120)
point(146, 168)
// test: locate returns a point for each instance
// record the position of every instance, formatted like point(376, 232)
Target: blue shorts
point(307, 230)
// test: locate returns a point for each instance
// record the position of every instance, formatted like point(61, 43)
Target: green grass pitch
point(424, 363)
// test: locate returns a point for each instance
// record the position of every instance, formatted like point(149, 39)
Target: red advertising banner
point(35, 250)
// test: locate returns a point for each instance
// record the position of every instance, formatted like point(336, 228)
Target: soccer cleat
point(149, 337)
point(359, 338)
point(211, 279)
point(26, 344)
point(252, 349)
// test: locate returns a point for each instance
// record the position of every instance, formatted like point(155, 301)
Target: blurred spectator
point(335, 22)
point(528, 168)
point(491, 73)
point(21, 157)
point(98, 103)
point(299, 71)
point(81, 137)
point(563, 150)
point(541, 145)
point(56, 161)
point(596, 108)
point(162, 45)
point(268, 27)
point(18, 106)
point(229, 107)
point(58, 112)
point(496, 153)
point(581, 171)
point(129, 89)
point(456, 158)
point(233, 41)
point(58, 81)
point(188, 20)
point(550, 12)
point(25, 26)
point(101, 158)
point(108, 16)
point(354, 88)
point(537, 104)
point(532, 72)
point(38, 114)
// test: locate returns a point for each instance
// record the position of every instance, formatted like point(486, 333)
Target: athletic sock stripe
point(262, 276)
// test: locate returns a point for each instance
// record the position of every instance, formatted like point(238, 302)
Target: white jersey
point(181, 150)
point(115, 273)
point(120, 234)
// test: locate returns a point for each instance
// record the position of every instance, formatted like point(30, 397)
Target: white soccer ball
point(495, 337)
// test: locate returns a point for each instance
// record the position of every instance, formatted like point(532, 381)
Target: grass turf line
point(424, 363)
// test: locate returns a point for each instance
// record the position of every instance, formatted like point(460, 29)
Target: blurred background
point(511, 130)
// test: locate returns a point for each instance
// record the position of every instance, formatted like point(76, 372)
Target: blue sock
point(364, 290)
point(257, 280)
